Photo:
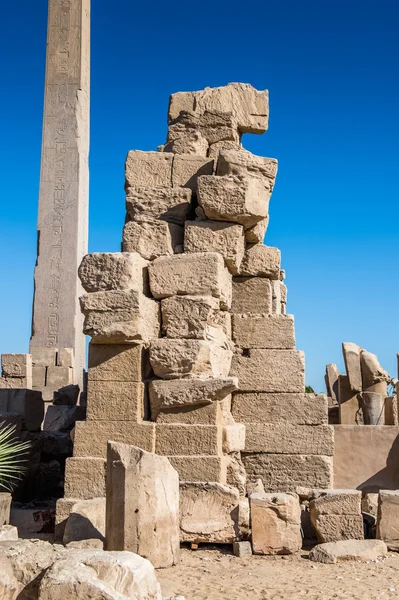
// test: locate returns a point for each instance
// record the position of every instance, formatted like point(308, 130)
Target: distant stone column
point(63, 201)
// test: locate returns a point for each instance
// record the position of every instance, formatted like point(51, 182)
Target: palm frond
point(13, 454)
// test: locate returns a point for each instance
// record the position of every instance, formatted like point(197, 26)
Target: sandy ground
point(215, 574)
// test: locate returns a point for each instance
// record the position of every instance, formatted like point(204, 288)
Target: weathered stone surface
point(62, 418)
point(65, 357)
point(26, 403)
point(191, 142)
point(275, 523)
point(214, 126)
point(63, 509)
point(187, 168)
point(263, 331)
point(84, 478)
point(114, 362)
point(102, 271)
point(233, 438)
point(342, 551)
point(284, 438)
point(91, 436)
point(142, 505)
point(256, 233)
point(117, 316)
point(298, 409)
point(349, 406)
point(151, 239)
point(57, 377)
point(370, 504)
point(391, 410)
point(8, 533)
point(115, 401)
point(216, 236)
point(86, 521)
point(333, 528)
point(200, 468)
point(337, 502)
point(351, 353)
point(5, 507)
point(148, 169)
point(38, 377)
point(44, 357)
point(67, 395)
point(200, 500)
point(214, 149)
point(197, 317)
point(9, 586)
point(209, 414)
point(196, 274)
point(331, 379)
point(85, 544)
point(242, 549)
point(251, 295)
point(372, 371)
point(285, 472)
point(242, 163)
point(188, 440)
point(173, 359)
point(13, 383)
point(388, 518)
point(269, 370)
point(167, 204)
point(261, 261)
point(237, 477)
point(16, 365)
point(231, 198)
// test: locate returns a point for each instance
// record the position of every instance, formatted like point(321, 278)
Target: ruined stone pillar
point(63, 199)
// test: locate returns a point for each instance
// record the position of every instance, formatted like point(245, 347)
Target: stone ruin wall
point(192, 355)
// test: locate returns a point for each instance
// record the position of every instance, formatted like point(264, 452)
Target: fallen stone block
point(195, 317)
point(342, 551)
point(16, 365)
point(337, 502)
point(256, 233)
point(200, 468)
point(189, 440)
point(142, 505)
point(187, 168)
point(263, 331)
point(196, 274)
point(235, 199)
point(118, 362)
point(269, 370)
point(62, 418)
point(297, 409)
point(67, 395)
point(242, 549)
point(5, 507)
point(351, 353)
point(86, 521)
point(242, 163)
point(8, 533)
point(172, 205)
point(103, 271)
point(284, 438)
point(148, 169)
point(91, 436)
point(336, 515)
point(275, 523)
point(152, 239)
point(26, 403)
point(388, 518)
point(111, 401)
point(372, 371)
point(261, 261)
point(173, 359)
point(200, 500)
point(251, 295)
point(84, 478)
point(215, 126)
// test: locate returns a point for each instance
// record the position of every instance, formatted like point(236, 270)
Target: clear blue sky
point(333, 74)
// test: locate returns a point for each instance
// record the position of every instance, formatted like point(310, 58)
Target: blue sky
point(332, 73)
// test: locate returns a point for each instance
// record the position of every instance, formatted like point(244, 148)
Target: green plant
point(12, 456)
point(309, 390)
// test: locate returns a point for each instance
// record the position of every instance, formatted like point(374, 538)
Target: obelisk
point(64, 182)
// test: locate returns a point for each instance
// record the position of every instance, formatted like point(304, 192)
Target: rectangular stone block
point(63, 510)
point(285, 472)
point(251, 295)
point(44, 357)
point(331, 379)
point(263, 331)
point(334, 528)
point(285, 438)
point(269, 370)
point(241, 162)
point(297, 409)
point(16, 365)
point(148, 169)
point(211, 414)
point(153, 239)
point(91, 437)
point(233, 438)
point(351, 353)
point(26, 403)
point(188, 440)
point(12, 383)
point(337, 502)
point(275, 523)
point(104, 271)
point(195, 317)
point(213, 126)
point(200, 468)
point(58, 377)
point(115, 401)
point(85, 477)
point(144, 204)
point(187, 168)
point(38, 377)
point(65, 357)
point(388, 519)
point(261, 261)
point(118, 362)
point(197, 274)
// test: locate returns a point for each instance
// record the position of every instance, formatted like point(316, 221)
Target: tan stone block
point(197, 274)
point(13, 383)
point(86, 522)
point(192, 142)
point(117, 362)
point(236, 199)
point(370, 504)
point(44, 357)
point(336, 502)
point(216, 236)
point(351, 353)
point(63, 510)
point(388, 518)
point(372, 371)
point(251, 295)
point(115, 401)
point(180, 101)
point(237, 477)
point(275, 523)
point(200, 468)
point(233, 438)
point(391, 410)
point(297, 409)
point(58, 377)
point(65, 357)
point(200, 500)
point(285, 472)
point(120, 316)
point(173, 359)
point(214, 126)
point(91, 437)
point(148, 169)
point(16, 365)
point(195, 317)
point(85, 477)
point(26, 403)
point(284, 438)
point(188, 440)
point(210, 414)
point(277, 297)
point(333, 528)
point(261, 261)
point(152, 239)
point(349, 550)
point(270, 370)
point(168, 204)
point(242, 163)
point(187, 168)
point(331, 379)
point(102, 271)
point(215, 149)
point(264, 331)
point(256, 233)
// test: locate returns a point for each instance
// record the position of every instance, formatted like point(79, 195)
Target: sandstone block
point(38, 377)
point(337, 502)
point(189, 440)
point(9, 586)
point(370, 504)
point(237, 477)
point(216, 236)
point(357, 550)
point(200, 468)
point(26, 403)
point(16, 365)
point(261, 261)
point(180, 101)
point(196, 274)
point(13, 383)
point(200, 500)
point(349, 407)
point(62, 418)
point(285, 472)
point(44, 357)
point(58, 377)
point(284, 438)
point(65, 357)
point(151, 239)
point(388, 518)
point(8, 533)
point(148, 169)
point(187, 168)
point(256, 233)
point(242, 549)
point(172, 205)
point(210, 414)
point(190, 142)
point(115, 401)
point(197, 317)
point(215, 149)
point(142, 505)
point(63, 510)
point(113, 362)
point(237, 199)
point(372, 371)
point(84, 478)
point(120, 316)
point(297, 409)
point(263, 331)
point(91, 437)
point(67, 395)
point(275, 523)
point(173, 359)
point(351, 353)
point(233, 438)
point(242, 163)
point(103, 271)
point(86, 521)
point(5, 507)
point(214, 126)
point(331, 379)
point(333, 528)
point(269, 370)
point(251, 295)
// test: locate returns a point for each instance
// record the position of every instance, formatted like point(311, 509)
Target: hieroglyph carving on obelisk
point(64, 179)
